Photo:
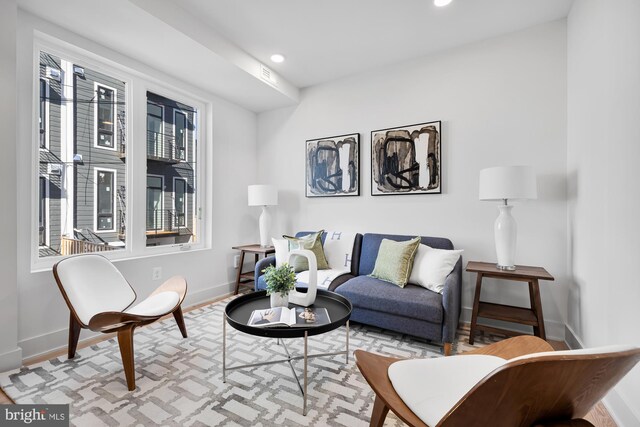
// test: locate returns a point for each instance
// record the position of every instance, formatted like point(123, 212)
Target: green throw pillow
point(395, 260)
point(312, 242)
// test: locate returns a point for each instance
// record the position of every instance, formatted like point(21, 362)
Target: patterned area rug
point(179, 381)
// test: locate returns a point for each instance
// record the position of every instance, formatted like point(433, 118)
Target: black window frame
point(43, 113)
point(180, 217)
point(99, 214)
point(100, 129)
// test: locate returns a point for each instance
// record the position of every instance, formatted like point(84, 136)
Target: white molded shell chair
point(100, 299)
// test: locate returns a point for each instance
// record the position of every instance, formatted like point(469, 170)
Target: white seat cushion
point(156, 305)
point(431, 387)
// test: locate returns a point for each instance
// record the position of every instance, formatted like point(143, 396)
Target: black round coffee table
point(238, 311)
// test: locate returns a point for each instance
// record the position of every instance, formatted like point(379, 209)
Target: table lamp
point(263, 195)
point(504, 183)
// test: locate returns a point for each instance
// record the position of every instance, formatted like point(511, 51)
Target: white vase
point(277, 300)
point(308, 298)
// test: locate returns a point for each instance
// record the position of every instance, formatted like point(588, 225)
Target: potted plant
point(280, 281)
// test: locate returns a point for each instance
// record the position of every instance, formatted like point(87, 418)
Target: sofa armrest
point(261, 265)
point(452, 302)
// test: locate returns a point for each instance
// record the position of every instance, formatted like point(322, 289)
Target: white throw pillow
point(432, 266)
point(282, 250)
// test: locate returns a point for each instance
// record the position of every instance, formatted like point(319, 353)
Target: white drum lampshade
point(504, 183)
point(263, 195)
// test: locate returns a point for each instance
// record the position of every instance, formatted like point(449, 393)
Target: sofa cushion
point(371, 244)
point(312, 242)
point(432, 266)
point(410, 301)
point(395, 260)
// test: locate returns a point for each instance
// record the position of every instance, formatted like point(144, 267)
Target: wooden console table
point(243, 278)
point(527, 316)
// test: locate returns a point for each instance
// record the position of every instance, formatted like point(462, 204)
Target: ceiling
point(324, 40)
point(218, 45)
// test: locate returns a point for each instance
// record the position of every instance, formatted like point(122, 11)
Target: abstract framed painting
point(333, 166)
point(406, 160)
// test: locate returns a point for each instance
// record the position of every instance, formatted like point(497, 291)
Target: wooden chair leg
point(379, 413)
point(74, 335)
point(125, 340)
point(447, 349)
point(177, 314)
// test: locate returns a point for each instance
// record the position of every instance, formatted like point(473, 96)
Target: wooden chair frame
point(573, 384)
point(123, 324)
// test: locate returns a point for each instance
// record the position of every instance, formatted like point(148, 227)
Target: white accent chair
point(517, 382)
point(100, 299)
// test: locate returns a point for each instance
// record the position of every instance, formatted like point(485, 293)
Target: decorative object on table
point(504, 183)
point(308, 298)
point(263, 195)
point(406, 160)
point(289, 317)
point(333, 166)
point(312, 242)
point(280, 281)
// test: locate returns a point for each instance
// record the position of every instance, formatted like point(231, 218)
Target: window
point(180, 134)
point(179, 201)
point(155, 127)
point(43, 113)
point(105, 117)
point(171, 161)
point(42, 211)
point(79, 200)
point(155, 188)
point(105, 200)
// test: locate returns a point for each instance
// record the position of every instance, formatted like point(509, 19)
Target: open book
point(283, 316)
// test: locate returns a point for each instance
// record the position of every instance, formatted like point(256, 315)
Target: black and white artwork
point(406, 160)
point(333, 166)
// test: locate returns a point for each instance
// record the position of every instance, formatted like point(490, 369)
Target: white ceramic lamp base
point(505, 230)
point(265, 226)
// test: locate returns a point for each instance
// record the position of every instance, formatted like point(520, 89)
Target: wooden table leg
point(476, 306)
point(239, 273)
point(536, 306)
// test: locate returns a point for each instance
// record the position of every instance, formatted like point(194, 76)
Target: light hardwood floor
point(599, 416)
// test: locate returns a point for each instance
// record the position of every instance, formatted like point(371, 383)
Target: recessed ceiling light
point(276, 57)
point(441, 3)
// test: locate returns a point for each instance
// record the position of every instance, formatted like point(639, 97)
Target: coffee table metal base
point(289, 359)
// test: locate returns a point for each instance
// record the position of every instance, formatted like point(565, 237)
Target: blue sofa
point(411, 310)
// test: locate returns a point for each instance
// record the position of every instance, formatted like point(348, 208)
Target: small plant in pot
point(280, 281)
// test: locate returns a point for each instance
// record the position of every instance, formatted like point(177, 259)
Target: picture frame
point(407, 159)
point(333, 166)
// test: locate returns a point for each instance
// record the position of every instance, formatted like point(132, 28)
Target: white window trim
point(115, 117)
point(186, 136)
point(95, 199)
point(47, 228)
point(47, 125)
point(162, 187)
point(138, 80)
point(186, 210)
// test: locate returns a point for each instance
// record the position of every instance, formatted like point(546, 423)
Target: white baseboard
point(620, 410)
point(11, 359)
point(554, 330)
point(57, 340)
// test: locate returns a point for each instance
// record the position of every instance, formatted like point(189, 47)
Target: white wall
point(603, 151)
point(502, 102)
point(9, 351)
point(43, 316)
